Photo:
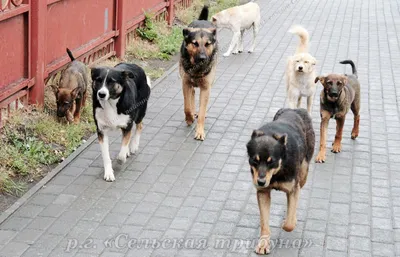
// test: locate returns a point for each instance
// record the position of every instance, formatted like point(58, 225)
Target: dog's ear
point(127, 74)
point(213, 31)
point(344, 80)
point(95, 73)
point(257, 133)
point(186, 32)
point(314, 61)
point(75, 92)
point(320, 78)
point(282, 139)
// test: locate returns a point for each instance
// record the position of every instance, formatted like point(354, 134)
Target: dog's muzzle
point(300, 69)
point(60, 113)
point(261, 182)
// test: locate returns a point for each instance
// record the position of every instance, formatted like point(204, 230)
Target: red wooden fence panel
point(35, 33)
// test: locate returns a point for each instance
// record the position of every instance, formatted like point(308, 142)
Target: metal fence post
point(171, 14)
point(120, 41)
point(38, 18)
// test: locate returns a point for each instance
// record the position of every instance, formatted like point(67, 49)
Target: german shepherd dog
point(197, 68)
point(279, 156)
point(340, 93)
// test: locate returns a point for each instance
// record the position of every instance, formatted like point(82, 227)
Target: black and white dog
point(120, 96)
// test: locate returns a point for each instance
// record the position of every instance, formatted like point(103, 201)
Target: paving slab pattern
point(181, 197)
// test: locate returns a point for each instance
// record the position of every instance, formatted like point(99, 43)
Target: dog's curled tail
point(304, 38)
point(148, 81)
point(70, 55)
point(204, 13)
point(353, 67)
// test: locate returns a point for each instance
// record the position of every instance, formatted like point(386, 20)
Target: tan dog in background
point(300, 72)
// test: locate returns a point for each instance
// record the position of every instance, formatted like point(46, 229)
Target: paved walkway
point(198, 194)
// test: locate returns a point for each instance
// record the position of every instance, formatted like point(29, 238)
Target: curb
point(22, 200)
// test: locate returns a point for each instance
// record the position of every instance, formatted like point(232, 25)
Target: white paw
point(226, 54)
point(251, 50)
point(134, 148)
point(122, 157)
point(235, 52)
point(109, 175)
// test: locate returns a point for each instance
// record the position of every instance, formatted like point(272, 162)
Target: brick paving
point(200, 193)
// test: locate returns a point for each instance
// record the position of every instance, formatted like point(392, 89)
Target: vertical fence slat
point(38, 48)
point(171, 14)
point(120, 41)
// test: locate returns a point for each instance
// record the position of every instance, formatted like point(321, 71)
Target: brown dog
point(340, 93)
point(72, 90)
point(197, 68)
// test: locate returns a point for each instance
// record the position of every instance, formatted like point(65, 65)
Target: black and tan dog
point(71, 92)
point(197, 67)
point(340, 93)
point(279, 156)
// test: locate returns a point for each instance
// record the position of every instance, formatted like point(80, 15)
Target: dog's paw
point(336, 147)
point(189, 119)
point(109, 175)
point(288, 226)
point(263, 246)
point(235, 52)
point(134, 147)
point(226, 54)
point(200, 135)
point(122, 157)
point(354, 135)
point(320, 158)
point(251, 51)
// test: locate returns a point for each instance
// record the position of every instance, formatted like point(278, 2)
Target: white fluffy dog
point(238, 19)
point(300, 72)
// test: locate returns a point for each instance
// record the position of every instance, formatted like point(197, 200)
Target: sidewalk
point(199, 194)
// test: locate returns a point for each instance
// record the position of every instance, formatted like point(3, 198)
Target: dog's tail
point(353, 67)
point(148, 81)
point(70, 55)
point(204, 13)
point(304, 38)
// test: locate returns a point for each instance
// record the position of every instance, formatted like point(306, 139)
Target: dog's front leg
point(135, 142)
point(77, 111)
point(204, 97)
point(234, 42)
point(105, 153)
point(325, 116)
point(292, 199)
point(309, 103)
point(126, 138)
point(264, 204)
point(188, 99)
point(337, 144)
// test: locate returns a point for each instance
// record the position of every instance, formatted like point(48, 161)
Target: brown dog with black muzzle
point(340, 93)
point(71, 92)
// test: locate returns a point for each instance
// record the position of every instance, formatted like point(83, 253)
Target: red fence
point(35, 33)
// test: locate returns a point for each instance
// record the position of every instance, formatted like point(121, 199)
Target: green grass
point(155, 40)
point(33, 140)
